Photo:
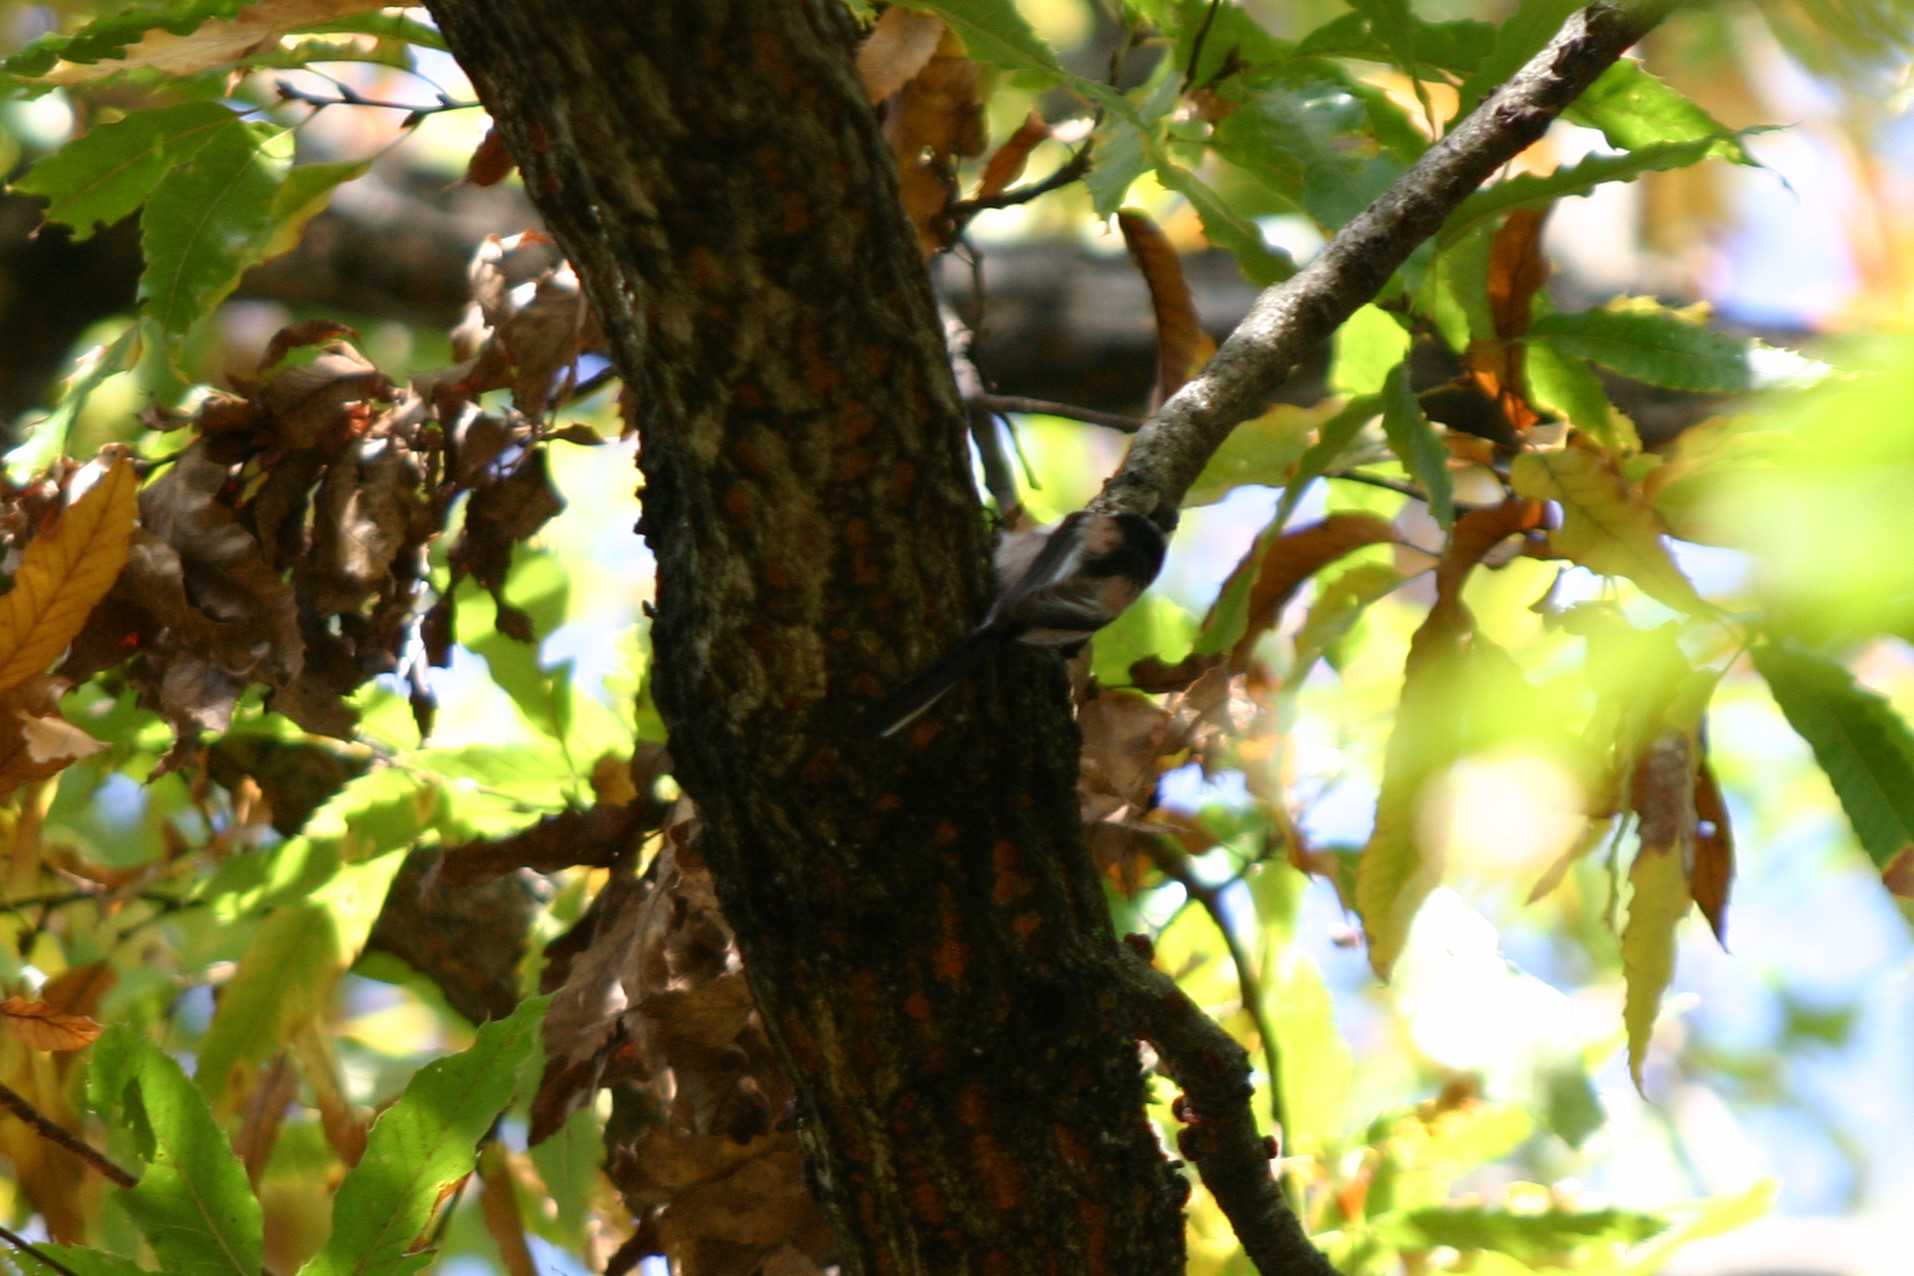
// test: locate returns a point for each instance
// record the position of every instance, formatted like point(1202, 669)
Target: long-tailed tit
point(1055, 589)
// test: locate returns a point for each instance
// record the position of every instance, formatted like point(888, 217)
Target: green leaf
point(1606, 525)
point(288, 973)
point(1519, 38)
point(1534, 1238)
point(421, 1146)
point(993, 31)
point(1340, 603)
point(1155, 626)
point(1454, 46)
point(208, 220)
point(1573, 179)
point(81, 1262)
point(305, 194)
point(110, 36)
point(1858, 739)
point(45, 442)
point(1317, 139)
point(1332, 438)
point(1224, 227)
point(383, 810)
point(1370, 345)
point(1566, 386)
point(1415, 444)
point(1259, 452)
point(1712, 1217)
point(1633, 110)
point(1643, 340)
point(1454, 292)
point(387, 26)
point(103, 175)
point(193, 1204)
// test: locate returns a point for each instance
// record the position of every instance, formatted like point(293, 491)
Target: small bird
point(1055, 589)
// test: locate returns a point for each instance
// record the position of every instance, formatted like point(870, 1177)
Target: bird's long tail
point(905, 704)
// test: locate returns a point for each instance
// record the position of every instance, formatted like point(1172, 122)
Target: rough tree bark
point(923, 932)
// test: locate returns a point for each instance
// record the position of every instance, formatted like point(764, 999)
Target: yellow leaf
point(1606, 525)
point(1664, 798)
point(211, 44)
point(64, 572)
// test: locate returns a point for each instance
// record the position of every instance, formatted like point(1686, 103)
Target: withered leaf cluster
point(285, 543)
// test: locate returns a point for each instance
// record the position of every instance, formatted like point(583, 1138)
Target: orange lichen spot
point(748, 395)
point(853, 464)
point(887, 802)
point(923, 732)
point(747, 456)
point(1008, 888)
point(797, 213)
point(904, 479)
point(704, 267)
point(997, 1172)
point(776, 577)
point(855, 421)
point(973, 1105)
point(927, 1203)
point(1025, 925)
point(800, 1041)
point(1094, 1231)
point(1004, 855)
point(821, 767)
point(952, 958)
point(943, 835)
point(997, 1263)
point(918, 1007)
point(540, 140)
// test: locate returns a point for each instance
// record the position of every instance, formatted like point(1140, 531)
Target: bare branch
point(60, 1137)
point(1219, 1135)
point(1292, 317)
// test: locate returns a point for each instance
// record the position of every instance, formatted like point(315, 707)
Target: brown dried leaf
point(36, 743)
point(41, 1027)
point(322, 403)
point(211, 44)
point(1182, 347)
point(491, 160)
point(498, 1201)
point(1007, 161)
point(1281, 566)
point(306, 332)
point(1713, 875)
point(934, 120)
point(1471, 539)
point(898, 47)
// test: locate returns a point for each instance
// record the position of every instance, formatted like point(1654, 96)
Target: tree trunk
point(922, 928)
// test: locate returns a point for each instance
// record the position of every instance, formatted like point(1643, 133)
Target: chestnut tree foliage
point(352, 925)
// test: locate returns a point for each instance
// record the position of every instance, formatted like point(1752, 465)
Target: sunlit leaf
point(1528, 190)
point(1531, 1237)
point(1666, 348)
point(208, 220)
point(42, 1027)
point(1269, 575)
point(287, 976)
point(1606, 526)
point(1862, 744)
point(1413, 439)
point(1182, 347)
point(106, 173)
point(422, 1146)
point(193, 1203)
point(64, 572)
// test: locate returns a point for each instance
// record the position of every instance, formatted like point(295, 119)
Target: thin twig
point(1174, 865)
point(349, 96)
point(1397, 486)
point(40, 1256)
point(1069, 171)
point(1049, 407)
point(59, 1136)
point(1196, 45)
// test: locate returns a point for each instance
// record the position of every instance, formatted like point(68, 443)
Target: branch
point(59, 1137)
point(25, 1246)
point(1292, 317)
point(1220, 1136)
point(349, 96)
point(1174, 865)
